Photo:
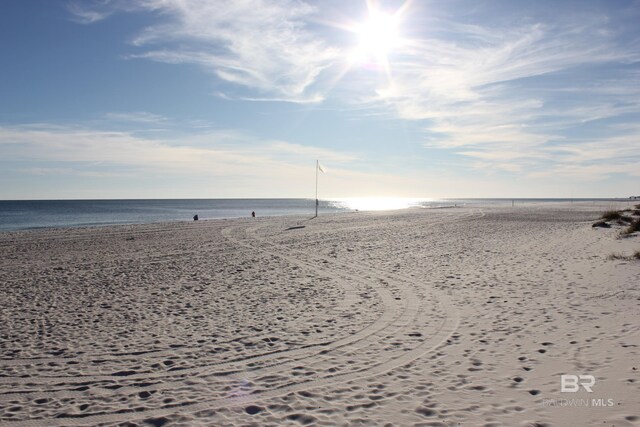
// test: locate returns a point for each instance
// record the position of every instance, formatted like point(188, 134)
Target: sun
point(377, 38)
point(379, 34)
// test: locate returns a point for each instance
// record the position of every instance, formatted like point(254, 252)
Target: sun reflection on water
point(380, 203)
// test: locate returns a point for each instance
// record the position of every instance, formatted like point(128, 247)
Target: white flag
point(320, 168)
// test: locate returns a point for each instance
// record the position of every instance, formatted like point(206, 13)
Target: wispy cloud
point(82, 14)
point(75, 172)
point(267, 167)
point(264, 46)
point(136, 117)
point(223, 153)
point(215, 153)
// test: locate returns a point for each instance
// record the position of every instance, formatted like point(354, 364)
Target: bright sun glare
point(376, 38)
point(380, 203)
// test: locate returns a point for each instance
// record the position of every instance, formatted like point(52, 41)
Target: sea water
point(33, 214)
point(30, 214)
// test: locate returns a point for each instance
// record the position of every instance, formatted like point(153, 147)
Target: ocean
point(35, 214)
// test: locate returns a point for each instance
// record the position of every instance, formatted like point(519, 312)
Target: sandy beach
point(464, 316)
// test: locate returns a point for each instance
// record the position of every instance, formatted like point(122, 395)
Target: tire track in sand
point(442, 331)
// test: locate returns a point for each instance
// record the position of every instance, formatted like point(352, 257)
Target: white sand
point(447, 317)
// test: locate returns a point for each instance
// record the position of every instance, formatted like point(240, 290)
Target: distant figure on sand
point(195, 217)
point(253, 214)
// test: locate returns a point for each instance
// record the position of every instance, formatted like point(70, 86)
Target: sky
point(116, 99)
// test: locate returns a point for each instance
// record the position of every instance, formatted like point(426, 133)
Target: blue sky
point(208, 98)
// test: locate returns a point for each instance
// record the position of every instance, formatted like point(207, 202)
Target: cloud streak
point(136, 117)
point(256, 167)
point(85, 15)
point(212, 152)
point(264, 46)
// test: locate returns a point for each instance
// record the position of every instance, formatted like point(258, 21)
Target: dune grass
point(611, 216)
point(624, 220)
point(633, 227)
point(632, 224)
point(617, 256)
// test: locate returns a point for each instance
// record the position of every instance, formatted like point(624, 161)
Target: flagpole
point(317, 165)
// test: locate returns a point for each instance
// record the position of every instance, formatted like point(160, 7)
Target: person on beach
point(195, 217)
point(253, 214)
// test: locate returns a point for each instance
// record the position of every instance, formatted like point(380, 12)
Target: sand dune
point(462, 316)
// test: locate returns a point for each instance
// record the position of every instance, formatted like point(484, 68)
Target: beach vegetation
point(611, 216)
point(632, 223)
point(624, 220)
point(617, 256)
point(633, 227)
